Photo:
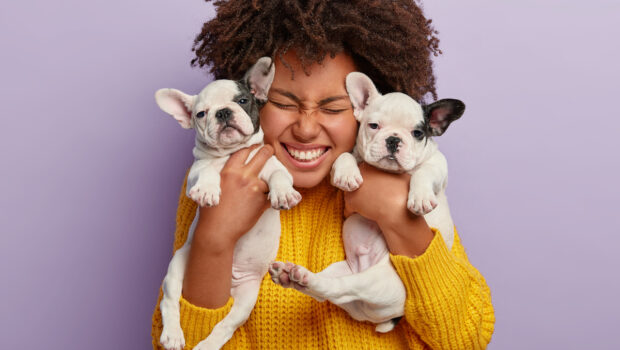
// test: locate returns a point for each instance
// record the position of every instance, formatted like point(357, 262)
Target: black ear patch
point(248, 102)
point(438, 115)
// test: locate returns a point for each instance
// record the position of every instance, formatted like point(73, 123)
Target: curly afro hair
point(389, 40)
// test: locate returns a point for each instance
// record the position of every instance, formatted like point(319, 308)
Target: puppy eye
point(200, 114)
point(242, 101)
point(373, 125)
point(417, 134)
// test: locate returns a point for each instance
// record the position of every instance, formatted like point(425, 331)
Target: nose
point(223, 115)
point(392, 143)
point(307, 128)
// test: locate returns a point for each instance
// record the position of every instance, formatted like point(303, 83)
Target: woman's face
point(309, 120)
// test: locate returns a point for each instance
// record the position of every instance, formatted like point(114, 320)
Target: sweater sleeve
point(196, 322)
point(448, 303)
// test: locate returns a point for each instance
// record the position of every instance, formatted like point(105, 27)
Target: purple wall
point(91, 168)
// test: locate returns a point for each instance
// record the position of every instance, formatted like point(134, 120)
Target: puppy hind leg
point(172, 335)
point(244, 296)
point(289, 275)
point(387, 326)
point(322, 286)
point(345, 289)
point(337, 269)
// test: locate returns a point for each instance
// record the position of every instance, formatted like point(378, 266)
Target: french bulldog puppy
point(225, 116)
point(395, 135)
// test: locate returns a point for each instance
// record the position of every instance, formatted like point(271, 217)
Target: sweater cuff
point(198, 322)
point(427, 276)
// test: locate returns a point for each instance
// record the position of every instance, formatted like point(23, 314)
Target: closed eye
point(283, 106)
point(333, 111)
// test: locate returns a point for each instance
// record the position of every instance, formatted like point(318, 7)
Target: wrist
point(213, 239)
point(406, 234)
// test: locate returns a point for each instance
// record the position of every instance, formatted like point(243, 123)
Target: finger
point(239, 158)
point(260, 158)
point(348, 211)
point(262, 187)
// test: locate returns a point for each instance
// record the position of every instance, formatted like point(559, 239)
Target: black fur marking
point(452, 109)
point(422, 126)
point(252, 106)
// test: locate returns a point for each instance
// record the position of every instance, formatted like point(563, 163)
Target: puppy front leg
point(281, 192)
point(426, 182)
point(203, 183)
point(244, 296)
point(345, 173)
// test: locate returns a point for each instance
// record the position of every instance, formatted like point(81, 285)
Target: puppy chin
point(394, 164)
point(230, 136)
point(388, 164)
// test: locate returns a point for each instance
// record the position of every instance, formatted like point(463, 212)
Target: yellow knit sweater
point(448, 303)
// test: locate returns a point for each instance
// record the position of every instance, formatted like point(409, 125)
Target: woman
point(308, 121)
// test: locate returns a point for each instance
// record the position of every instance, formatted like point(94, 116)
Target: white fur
point(366, 284)
point(255, 249)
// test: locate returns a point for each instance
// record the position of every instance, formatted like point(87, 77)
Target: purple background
point(91, 168)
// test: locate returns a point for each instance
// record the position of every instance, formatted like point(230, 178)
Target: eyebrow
point(294, 97)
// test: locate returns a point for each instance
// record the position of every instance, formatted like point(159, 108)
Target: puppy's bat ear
point(440, 114)
point(178, 104)
point(259, 78)
point(361, 91)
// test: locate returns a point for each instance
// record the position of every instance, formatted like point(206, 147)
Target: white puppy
point(225, 116)
point(395, 135)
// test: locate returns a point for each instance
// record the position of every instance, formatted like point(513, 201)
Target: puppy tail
point(387, 325)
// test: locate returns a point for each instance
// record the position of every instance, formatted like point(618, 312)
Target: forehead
point(399, 107)
point(219, 91)
point(325, 79)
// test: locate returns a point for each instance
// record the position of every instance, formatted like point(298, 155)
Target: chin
point(306, 180)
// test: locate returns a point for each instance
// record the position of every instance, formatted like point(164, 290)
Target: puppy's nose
point(223, 114)
point(392, 143)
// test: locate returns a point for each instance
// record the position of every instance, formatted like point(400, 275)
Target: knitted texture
point(448, 303)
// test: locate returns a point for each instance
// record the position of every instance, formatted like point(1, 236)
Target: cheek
point(344, 132)
point(271, 123)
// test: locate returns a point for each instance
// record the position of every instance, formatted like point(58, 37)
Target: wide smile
point(306, 156)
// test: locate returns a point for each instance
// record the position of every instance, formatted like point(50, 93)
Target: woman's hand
point(243, 200)
point(382, 197)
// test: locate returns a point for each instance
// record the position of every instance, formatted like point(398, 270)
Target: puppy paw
point(300, 275)
point(172, 338)
point(279, 273)
point(421, 202)
point(347, 178)
point(205, 194)
point(283, 197)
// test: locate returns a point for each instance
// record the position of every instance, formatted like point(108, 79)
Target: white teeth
point(306, 155)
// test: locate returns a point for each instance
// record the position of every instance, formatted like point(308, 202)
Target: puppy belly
point(363, 243)
point(384, 294)
point(378, 293)
point(257, 248)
